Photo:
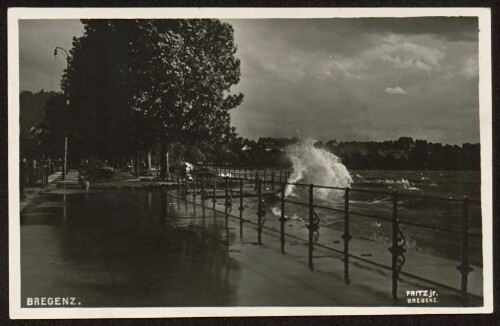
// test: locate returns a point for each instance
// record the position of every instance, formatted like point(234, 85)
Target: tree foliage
point(132, 84)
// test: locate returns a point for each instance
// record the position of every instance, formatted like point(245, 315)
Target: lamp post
point(65, 157)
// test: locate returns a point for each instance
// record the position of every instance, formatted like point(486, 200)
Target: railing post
point(397, 250)
point(194, 189)
point(464, 266)
point(165, 200)
point(226, 193)
point(282, 218)
point(241, 208)
point(259, 210)
point(203, 217)
point(346, 236)
point(395, 274)
point(264, 178)
point(272, 180)
point(203, 188)
point(311, 222)
point(42, 176)
point(213, 198)
point(281, 180)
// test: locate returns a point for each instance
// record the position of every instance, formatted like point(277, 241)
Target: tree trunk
point(149, 159)
point(163, 160)
point(137, 163)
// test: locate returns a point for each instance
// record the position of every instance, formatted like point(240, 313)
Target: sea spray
point(277, 212)
point(316, 166)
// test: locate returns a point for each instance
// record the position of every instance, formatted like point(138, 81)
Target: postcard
point(193, 162)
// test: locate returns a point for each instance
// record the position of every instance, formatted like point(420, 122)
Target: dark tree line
point(402, 154)
point(406, 154)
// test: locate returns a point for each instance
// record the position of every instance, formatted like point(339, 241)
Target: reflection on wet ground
point(147, 248)
point(120, 249)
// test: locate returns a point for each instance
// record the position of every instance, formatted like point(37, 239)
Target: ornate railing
point(227, 183)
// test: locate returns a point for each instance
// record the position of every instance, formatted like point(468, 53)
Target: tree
point(51, 130)
point(32, 133)
point(194, 155)
point(31, 110)
point(134, 83)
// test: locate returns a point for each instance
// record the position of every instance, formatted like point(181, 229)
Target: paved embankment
point(145, 248)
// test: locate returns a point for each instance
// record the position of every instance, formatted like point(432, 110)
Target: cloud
point(344, 69)
point(470, 69)
point(395, 91)
point(405, 52)
point(314, 66)
point(447, 28)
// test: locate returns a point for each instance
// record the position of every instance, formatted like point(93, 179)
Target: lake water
point(433, 227)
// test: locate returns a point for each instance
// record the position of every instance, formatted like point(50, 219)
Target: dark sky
point(344, 79)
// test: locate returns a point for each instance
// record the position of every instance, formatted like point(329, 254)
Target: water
point(429, 226)
point(315, 166)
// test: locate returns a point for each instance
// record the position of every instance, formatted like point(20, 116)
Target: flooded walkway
point(150, 248)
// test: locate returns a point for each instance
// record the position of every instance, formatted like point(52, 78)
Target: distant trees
point(406, 154)
point(136, 84)
point(31, 110)
point(401, 154)
point(31, 122)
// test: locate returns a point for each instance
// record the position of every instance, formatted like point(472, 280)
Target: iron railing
point(226, 181)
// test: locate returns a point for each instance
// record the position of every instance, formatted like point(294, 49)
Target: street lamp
point(65, 123)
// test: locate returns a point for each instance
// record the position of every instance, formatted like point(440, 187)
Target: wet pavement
point(146, 248)
point(31, 191)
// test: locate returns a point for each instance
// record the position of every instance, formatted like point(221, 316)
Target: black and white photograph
point(249, 162)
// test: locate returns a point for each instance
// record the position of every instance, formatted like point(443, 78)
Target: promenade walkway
point(152, 248)
point(31, 192)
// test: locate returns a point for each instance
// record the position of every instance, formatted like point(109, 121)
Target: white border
point(485, 93)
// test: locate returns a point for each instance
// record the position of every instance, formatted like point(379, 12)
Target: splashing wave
point(316, 166)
